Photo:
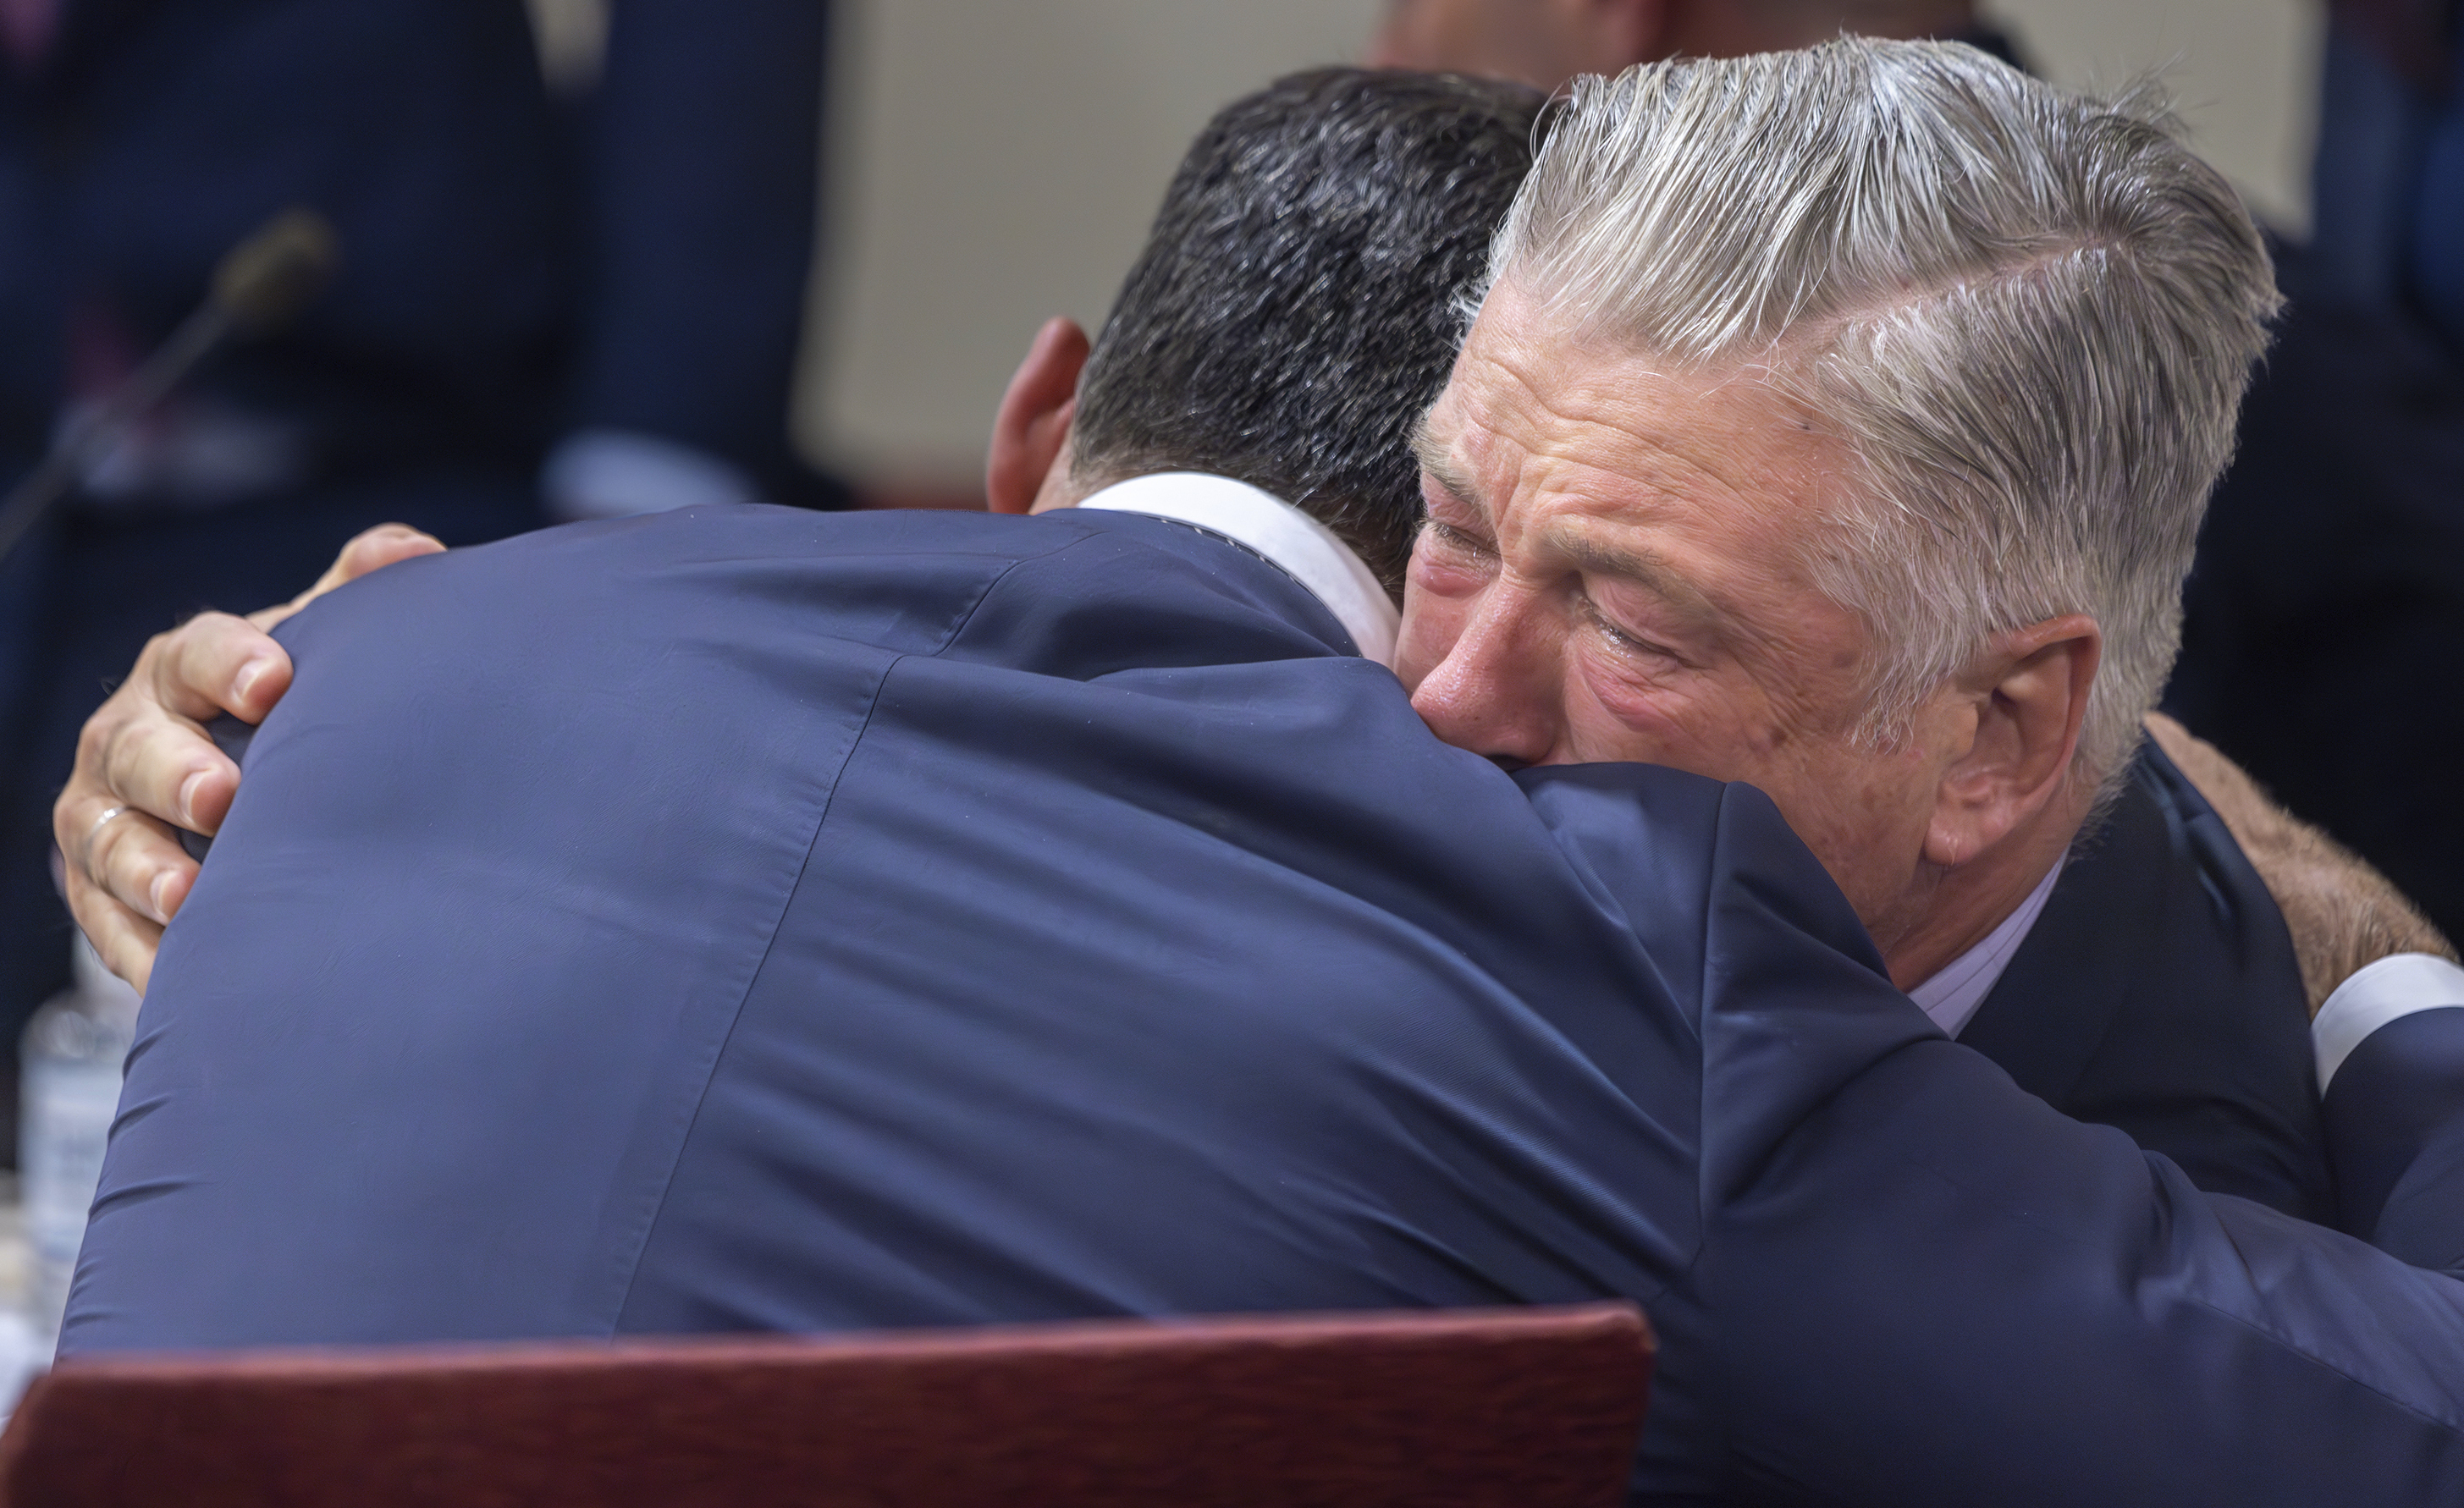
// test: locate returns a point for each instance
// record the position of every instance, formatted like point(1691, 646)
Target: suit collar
point(2045, 1018)
point(1959, 987)
point(1285, 536)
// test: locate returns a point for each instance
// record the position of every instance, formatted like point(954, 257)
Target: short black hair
point(1296, 306)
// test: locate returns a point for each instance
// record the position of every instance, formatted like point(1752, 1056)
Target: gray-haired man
point(2157, 982)
point(1874, 485)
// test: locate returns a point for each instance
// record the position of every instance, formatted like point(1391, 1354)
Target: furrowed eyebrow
point(1652, 572)
point(1434, 460)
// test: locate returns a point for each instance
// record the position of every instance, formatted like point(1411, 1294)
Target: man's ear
point(1032, 427)
point(2029, 697)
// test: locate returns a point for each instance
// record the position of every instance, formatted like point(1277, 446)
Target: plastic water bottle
point(73, 1053)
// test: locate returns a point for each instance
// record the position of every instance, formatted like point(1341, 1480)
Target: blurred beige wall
point(995, 161)
point(2244, 72)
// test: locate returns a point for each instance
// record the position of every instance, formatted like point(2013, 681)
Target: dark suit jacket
point(2158, 992)
point(2396, 1119)
point(500, 281)
point(152, 135)
point(765, 919)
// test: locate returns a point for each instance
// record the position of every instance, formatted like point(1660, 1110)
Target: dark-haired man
point(1312, 246)
point(1292, 312)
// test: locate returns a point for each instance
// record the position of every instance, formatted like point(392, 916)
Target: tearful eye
point(1461, 541)
point(1625, 639)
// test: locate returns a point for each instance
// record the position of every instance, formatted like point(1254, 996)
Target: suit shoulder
point(1125, 591)
point(1676, 851)
point(903, 581)
point(2158, 992)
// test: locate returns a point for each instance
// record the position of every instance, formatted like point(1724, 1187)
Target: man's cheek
point(1861, 821)
point(1431, 625)
point(1414, 659)
point(1645, 714)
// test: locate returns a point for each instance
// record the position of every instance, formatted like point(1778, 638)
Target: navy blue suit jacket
point(2159, 993)
point(773, 920)
point(2395, 1117)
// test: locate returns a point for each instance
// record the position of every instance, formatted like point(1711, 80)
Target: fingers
point(147, 747)
point(125, 941)
point(212, 664)
point(138, 864)
point(375, 549)
point(371, 550)
point(125, 857)
point(144, 756)
point(145, 750)
point(167, 768)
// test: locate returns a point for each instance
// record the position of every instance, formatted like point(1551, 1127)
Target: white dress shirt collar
point(1951, 996)
point(1307, 550)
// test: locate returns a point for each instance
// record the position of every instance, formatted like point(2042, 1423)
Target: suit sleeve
point(2396, 1128)
point(1930, 1288)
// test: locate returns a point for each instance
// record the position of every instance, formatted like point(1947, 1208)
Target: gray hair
point(2032, 316)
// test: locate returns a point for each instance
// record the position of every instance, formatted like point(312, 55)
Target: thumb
point(371, 550)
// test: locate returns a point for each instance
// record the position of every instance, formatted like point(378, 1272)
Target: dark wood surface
point(1524, 1409)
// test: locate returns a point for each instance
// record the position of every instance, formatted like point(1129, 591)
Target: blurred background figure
point(1545, 42)
point(571, 285)
point(2390, 178)
point(2325, 617)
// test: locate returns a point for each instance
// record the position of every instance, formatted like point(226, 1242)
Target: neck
point(1957, 907)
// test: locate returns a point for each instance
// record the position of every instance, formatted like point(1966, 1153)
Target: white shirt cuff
point(2380, 993)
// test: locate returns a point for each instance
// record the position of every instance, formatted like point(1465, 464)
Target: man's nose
point(1497, 691)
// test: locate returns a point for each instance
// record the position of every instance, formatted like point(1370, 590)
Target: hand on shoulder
point(146, 765)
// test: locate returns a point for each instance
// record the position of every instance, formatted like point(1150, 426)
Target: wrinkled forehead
point(1715, 494)
point(1531, 388)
